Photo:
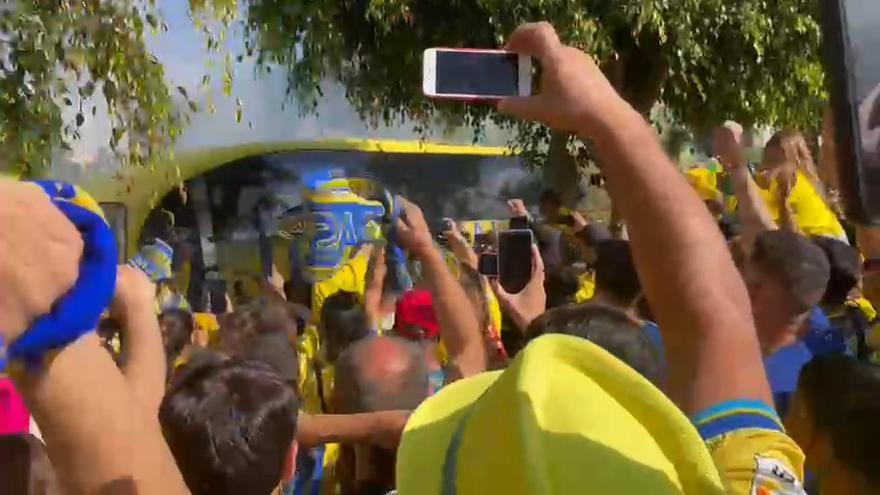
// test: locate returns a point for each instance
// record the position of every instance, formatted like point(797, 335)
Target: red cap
point(416, 308)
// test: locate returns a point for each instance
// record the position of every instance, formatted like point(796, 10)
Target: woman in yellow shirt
point(788, 175)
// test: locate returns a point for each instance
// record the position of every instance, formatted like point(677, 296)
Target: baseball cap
point(416, 308)
point(565, 417)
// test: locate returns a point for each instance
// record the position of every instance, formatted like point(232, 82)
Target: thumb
point(503, 296)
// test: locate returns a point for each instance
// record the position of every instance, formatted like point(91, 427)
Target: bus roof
point(107, 186)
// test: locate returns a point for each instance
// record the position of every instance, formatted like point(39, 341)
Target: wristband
point(78, 311)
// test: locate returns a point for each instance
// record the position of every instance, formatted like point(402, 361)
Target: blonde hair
point(796, 151)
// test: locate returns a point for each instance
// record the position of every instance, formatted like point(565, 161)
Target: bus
point(226, 204)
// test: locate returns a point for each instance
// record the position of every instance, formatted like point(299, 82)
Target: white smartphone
point(471, 74)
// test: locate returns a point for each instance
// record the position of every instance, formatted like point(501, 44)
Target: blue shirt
point(652, 331)
point(784, 366)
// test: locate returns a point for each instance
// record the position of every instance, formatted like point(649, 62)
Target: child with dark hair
point(343, 322)
point(230, 425)
point(833, 418)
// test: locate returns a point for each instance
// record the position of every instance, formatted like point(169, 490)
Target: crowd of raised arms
point(726, 345)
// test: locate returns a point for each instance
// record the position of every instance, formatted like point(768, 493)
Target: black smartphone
point(851, 41)
point(488, 264)
point(519, 223)
point(514, 259)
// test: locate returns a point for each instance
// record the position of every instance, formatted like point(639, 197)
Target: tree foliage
point(64, 53)
point(756, 61)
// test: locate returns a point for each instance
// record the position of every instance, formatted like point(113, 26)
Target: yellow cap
point(565, 417)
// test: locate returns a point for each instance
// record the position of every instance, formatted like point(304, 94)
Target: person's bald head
point(380, 374)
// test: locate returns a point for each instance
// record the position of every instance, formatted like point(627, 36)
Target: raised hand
point(40, 252)
point(574, 94)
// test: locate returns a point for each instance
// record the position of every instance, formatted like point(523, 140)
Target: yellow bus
point(232, 197)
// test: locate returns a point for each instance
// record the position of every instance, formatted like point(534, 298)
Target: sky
point(182, 52)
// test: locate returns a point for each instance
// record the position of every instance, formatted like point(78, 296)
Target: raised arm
point(382, 428)
point(459, 326)
point(694, 289)
point(98, 440)
point(753, 213)
point(98, 436)
point(134, 305)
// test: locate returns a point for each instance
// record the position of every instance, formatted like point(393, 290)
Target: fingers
point(536, 39)
point(502, 295)
point(411, 213)
point(537, 264)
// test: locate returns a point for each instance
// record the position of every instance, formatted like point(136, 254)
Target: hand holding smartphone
point(471, 74)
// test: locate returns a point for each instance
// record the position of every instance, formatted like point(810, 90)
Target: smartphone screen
point(514, 259)
point(851, 37)
point(477, 73)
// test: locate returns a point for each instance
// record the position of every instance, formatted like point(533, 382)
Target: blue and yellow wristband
point(79, 311)
point(736, 415)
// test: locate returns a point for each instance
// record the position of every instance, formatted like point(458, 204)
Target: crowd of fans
point(726, 346)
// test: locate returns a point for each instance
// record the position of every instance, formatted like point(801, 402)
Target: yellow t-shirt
point(810, 212)
point(750, 449)
point(350, 276)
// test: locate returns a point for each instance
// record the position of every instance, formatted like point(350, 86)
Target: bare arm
point(464, 253)
point(135, 307)
point(98, 441)
point(382, 428)
point(753, 213)
point(459, 326)
point(697, 295)
point(98, 437)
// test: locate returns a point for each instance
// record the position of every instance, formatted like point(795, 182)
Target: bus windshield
point(463, 187)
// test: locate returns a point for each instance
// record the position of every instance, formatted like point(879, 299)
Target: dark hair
point(25, 468)
point(360, 391)
point(607, 327)
point(842, 395)
point(561, 285)
point(796, 264)
point(845, 269)
point(275, 351)
point(230, 426)
point(259, 317)
point(176, 326)
point(343, 322)
point(615, 271)
point(550, 195)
